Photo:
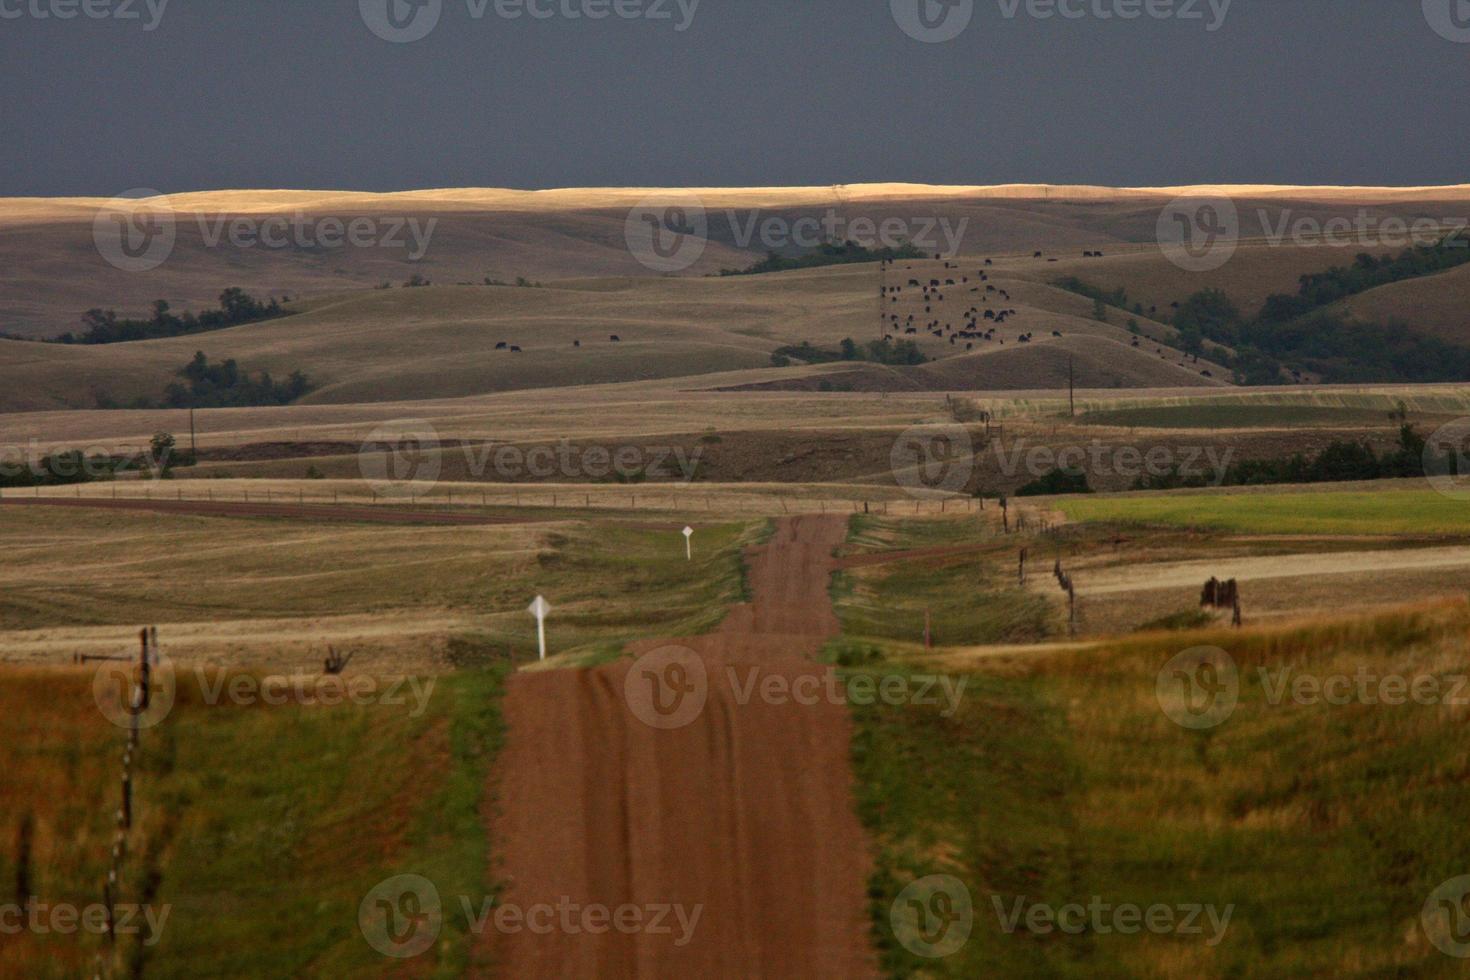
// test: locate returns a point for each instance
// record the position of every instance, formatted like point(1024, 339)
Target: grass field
point(1235, 416)
point(273, 592)
point(258, 828)
point(1322, 828)
point(1284, 512)
point(969, 598)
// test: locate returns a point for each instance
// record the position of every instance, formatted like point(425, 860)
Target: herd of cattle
point(932, 294)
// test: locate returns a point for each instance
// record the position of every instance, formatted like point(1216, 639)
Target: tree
point(161, 447)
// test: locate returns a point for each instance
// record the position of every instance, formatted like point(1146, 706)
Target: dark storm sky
point(301, 93)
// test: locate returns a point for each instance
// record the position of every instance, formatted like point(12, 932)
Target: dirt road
point(1141, 578)
point(670, 787)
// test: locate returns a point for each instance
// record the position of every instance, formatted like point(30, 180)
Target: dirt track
point(1141, 578)
point(308, 512)
point(743, 811)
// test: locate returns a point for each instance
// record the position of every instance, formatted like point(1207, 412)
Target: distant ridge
point(591, 198)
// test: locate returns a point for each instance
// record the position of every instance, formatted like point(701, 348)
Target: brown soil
point(746, 810)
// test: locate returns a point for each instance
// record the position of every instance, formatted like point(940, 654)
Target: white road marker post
point(689, 543)
point(539, 609)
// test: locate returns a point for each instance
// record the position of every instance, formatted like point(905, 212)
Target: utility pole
point(1071, 391)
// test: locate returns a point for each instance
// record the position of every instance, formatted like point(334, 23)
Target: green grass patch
point(967, 598)
point(1323, 827)
point(1290, 512)
point(1246, 415)
point(262, 828)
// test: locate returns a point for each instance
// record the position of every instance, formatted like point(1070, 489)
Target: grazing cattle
point(989, 262)
point(576, 343)
point(502, 345)
point(515, 350)
point(1056, 333)
point(1036, 256)
point(616, 339)
point(1207, 374)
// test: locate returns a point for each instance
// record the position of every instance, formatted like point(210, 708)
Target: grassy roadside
point(260, 829)
point(968, 597)
point(1323, 827)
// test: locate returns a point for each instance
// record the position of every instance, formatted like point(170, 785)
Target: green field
point(260, 829)
point(1289, 512)
point(1227, 415)
point(969, 598)
point(1321, 828)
